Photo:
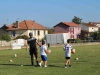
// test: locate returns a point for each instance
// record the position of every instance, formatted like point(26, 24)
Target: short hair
point(43, 42)
point(68, 41)
point(30, 34)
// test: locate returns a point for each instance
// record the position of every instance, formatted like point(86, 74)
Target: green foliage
point(5, 37)
point(78, 40)
point(22, 37)
point(95, 35)
point(77, 20)
point(50, 31)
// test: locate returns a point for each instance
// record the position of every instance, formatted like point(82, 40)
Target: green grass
point(88, 63)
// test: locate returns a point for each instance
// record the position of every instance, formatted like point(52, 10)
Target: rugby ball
point(10, 60)
point(73, 51)
point(49, 51)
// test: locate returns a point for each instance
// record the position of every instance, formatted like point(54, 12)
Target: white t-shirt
point(42, 50)
point(67, 49)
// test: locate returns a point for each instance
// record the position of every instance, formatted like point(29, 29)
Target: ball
point(10, 60)
point(21, 65)
point(49, 51)
point(15, 55)
point(73, 51)
point(76, 59)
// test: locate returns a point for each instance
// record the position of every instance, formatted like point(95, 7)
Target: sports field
point(88, 63)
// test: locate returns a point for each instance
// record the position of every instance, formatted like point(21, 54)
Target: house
point(3, 30)
point(87, 28)
point(96, 23)
point(71, 28)
point(25, 27)
point(90, 27)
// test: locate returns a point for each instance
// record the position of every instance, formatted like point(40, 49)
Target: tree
point(5, 37)
point(95, 35)
point(77, 20)
point(50, 30)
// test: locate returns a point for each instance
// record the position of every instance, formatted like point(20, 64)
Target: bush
point(77, 40)
point(22, 37)
point(5, 37)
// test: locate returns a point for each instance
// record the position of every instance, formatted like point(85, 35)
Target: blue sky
point(48, 12)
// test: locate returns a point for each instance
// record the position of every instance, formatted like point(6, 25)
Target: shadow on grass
point(30, 65)
point(54, 66)
point(15, 65)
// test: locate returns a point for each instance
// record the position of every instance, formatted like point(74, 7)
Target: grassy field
point(88, 63)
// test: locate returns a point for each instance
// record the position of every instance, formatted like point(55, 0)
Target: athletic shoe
point(40, 64)
point(45, 66)
point(65, 66)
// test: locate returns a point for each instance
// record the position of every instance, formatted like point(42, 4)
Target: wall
point(84, 27)
point(35, 33)
point(26, 32)
point(98, 25)
point(74, 31)
point(19, 32)
point(93, 29)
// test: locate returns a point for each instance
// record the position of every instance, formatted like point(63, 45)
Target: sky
point(48, 12)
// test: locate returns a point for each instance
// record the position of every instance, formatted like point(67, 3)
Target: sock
point(69, 65)
point(32, 63)
point(37, 62)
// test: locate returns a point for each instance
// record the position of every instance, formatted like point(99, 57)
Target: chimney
point(17, 24)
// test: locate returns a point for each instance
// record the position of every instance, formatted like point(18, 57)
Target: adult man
point(32, 41)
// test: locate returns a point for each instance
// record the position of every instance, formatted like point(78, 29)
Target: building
point(25, 27)
point(71, 28)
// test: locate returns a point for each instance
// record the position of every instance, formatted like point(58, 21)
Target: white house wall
point(98, 25)
point(26, 32)
point(93, 29)
point(35, 33)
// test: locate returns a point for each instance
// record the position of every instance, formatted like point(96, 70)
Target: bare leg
point(66, 62)
point(36, 59)
point(45, 63)
point(41, 63)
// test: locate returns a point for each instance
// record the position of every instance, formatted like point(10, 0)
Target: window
point(38, 33)
point(34, 32)
point(13, 33)
point(44, 32)
point(70, 30)
point(73, 30)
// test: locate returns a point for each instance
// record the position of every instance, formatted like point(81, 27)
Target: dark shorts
point(33, 51)
point(67, 57)
point(44, 58)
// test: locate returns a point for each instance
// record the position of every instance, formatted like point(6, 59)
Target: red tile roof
point(89, 24)
point(96, 22)
point(27, 24)
point(71, 24)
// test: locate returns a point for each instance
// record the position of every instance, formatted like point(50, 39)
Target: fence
point(5, 43)
point(8, 45)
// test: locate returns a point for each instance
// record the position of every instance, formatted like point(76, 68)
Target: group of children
point(67, 48)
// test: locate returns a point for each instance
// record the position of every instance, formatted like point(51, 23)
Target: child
point(44, 52)
point(67, 49)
